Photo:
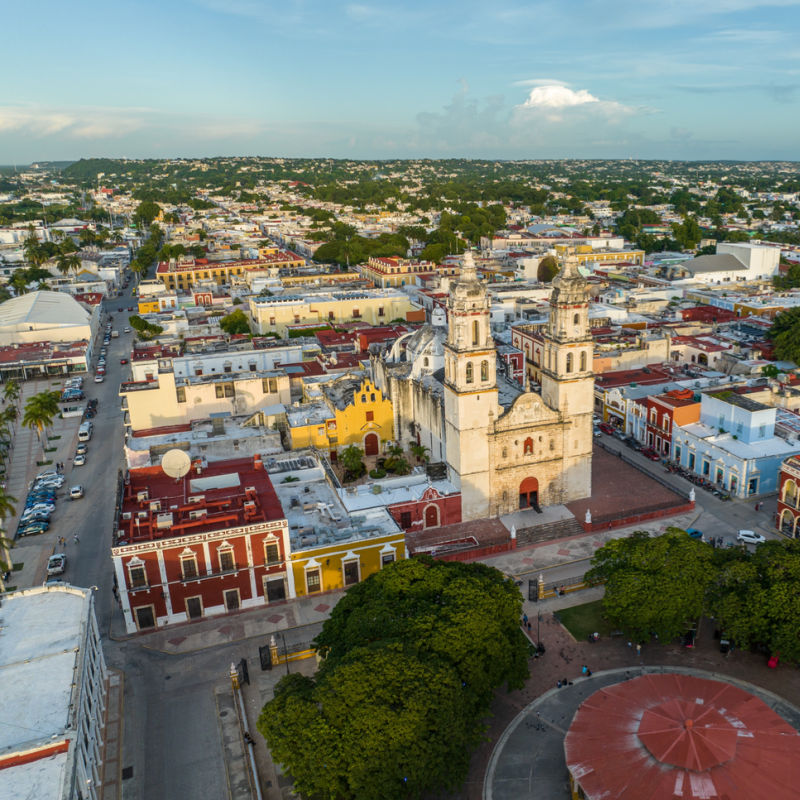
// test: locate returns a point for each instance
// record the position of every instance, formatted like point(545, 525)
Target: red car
point(123, 361)
point(606, 428)
point(130, 308)
point(648, 452)
point(101, 370)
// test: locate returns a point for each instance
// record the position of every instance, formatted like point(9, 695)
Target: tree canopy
point(411, 657)
point(235, 322)
point(785, 335)
point(653, 584)
point(547, 269)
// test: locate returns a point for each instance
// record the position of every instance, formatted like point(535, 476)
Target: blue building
point(734, 445)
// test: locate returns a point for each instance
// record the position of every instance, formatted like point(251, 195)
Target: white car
point(76, 492)
point(751, 537)
point(56, 564)
point(79, 461)
point(99, 378)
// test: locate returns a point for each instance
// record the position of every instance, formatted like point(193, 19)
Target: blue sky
point(695, 79)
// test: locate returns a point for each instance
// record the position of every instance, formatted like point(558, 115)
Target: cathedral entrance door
point(529, 494)
point(371, 444)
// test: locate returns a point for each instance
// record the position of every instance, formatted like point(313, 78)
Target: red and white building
point(664, 412)
point(787, 518)
point(212, 542)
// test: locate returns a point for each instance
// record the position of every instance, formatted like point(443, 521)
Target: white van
point(85, 432)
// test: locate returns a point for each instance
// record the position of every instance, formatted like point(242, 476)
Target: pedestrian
point(588, 673)
point(558, 685)
point(525, 620)
point(629, 644)
point(563, 590)
point(529, 626)
point(638, 649)
point(76, 538)
point(584, 669)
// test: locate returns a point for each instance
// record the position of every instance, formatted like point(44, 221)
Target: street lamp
point(285, 652)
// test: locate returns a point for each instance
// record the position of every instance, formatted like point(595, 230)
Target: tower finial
point(468, 269)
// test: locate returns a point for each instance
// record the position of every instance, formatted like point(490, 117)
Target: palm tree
point(67, 261)
point(39, 412)
point(420, 452)
point(33, 249)
point(7, 509)
point(11, 390)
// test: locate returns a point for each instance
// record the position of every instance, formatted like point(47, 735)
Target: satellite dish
point(175, 463)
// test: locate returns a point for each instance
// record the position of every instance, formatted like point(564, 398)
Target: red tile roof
point(250, 500)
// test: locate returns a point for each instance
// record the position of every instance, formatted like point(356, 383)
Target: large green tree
point(653, 584)
point(411, 657)
point(785, 335)
point(235, 322)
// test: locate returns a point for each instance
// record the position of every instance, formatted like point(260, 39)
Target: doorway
point(275, 590)
point(432, 516)
point(194, 607)
point(371, 444)
point(145, 617)
point(529, 494)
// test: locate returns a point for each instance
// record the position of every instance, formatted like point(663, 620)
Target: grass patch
point(55, 437)
point(11, 588)
point(43, 463)
point(50, 449)
point(584, 619)
point(17, 567)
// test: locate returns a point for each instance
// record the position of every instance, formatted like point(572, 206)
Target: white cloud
point(554, 102)
point(540, 82)
point(557, 96)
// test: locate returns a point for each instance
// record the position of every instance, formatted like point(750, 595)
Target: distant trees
point(145, 330)
point(785, 335)
point(146, 212)
point(411, 659)
point(147, 254)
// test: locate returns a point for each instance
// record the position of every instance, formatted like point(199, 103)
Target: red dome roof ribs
point(667, 736)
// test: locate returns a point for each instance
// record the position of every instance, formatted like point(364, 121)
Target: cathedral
point(505, 448)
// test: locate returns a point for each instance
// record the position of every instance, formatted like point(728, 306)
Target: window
point(231, 597)
point(224, 390)
point(386, 559)
point(356, 313)
point(137, 576)
point(372, 397)
point(380, 311)
point(188, 567)
point(470, 376)
point(691, 461)
point(528, 447)
point(252, 367)
point(350, 569)
point(331, 315)
point(425, 361)
point(180, 393)
point(484, 370)
point(226, 562)
point(227, 367)
point(272, 553)
point(569, 362)
point(475, 332)
point(706, 467)
point(272, 322)
point(576, 320)
point(370, 416)
point(363, 398)
point(313, 581)
point(269, 385)
point(405, 519)
point(583, 361)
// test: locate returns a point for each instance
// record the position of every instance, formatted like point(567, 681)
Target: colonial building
point(214, 541)
point(789, 497)
point(505, 447)
point(184, 272)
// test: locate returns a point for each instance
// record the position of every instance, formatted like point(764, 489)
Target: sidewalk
point(187, 637)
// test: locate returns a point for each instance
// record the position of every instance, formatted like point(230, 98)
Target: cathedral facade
point(506, 448)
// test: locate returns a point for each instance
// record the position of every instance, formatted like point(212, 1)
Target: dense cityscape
point(402, 467)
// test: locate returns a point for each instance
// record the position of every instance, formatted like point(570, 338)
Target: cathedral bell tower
point(470, 390)
point(567, 377)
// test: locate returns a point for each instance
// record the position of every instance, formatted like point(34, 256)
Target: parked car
point(694, 533)
point(56, 564)
point(606, 428)
point(33, 528)
point(79, 461)
point(76, 492)
point(648, 452)
point(99, 378)
point(596, 432)
point(123, 361)
point(101, 370)
point(81, 449)
point(119, 309)
point(751, 537)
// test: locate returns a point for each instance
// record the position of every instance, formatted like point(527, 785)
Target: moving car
point(56, 564)
point(76, 492)
point(123, 361)
point(750, 537)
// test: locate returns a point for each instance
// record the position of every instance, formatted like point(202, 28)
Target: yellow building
point(394, 271)
point(339, 565)
point(375, 307)
point(352, 411)
point(184, 272)
point(586, 255)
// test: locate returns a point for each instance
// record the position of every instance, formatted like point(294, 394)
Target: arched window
point(569, 362)
point(583, 361)
point(528, 447)
point(372, 398)
point(475, 332)
point(484, 370)
point(470, 375)
point(425, 361)
point(576, 320)
point(363, 398)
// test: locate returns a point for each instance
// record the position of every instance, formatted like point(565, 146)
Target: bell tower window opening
point(528, 447)
point(470, 372)
point(576, 320)
point(569, 362)
point(484, 370)
point(583, 361)
point(475, 332)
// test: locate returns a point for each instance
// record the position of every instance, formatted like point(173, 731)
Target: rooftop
point(40, 352)
point(212, 496)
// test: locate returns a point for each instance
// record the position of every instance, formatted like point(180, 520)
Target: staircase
point(549, 532)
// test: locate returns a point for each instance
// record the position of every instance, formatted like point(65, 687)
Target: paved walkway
point(528, 761)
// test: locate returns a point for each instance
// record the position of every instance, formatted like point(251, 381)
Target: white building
point(761, 261)
point(54, 695)
point(46, 317)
